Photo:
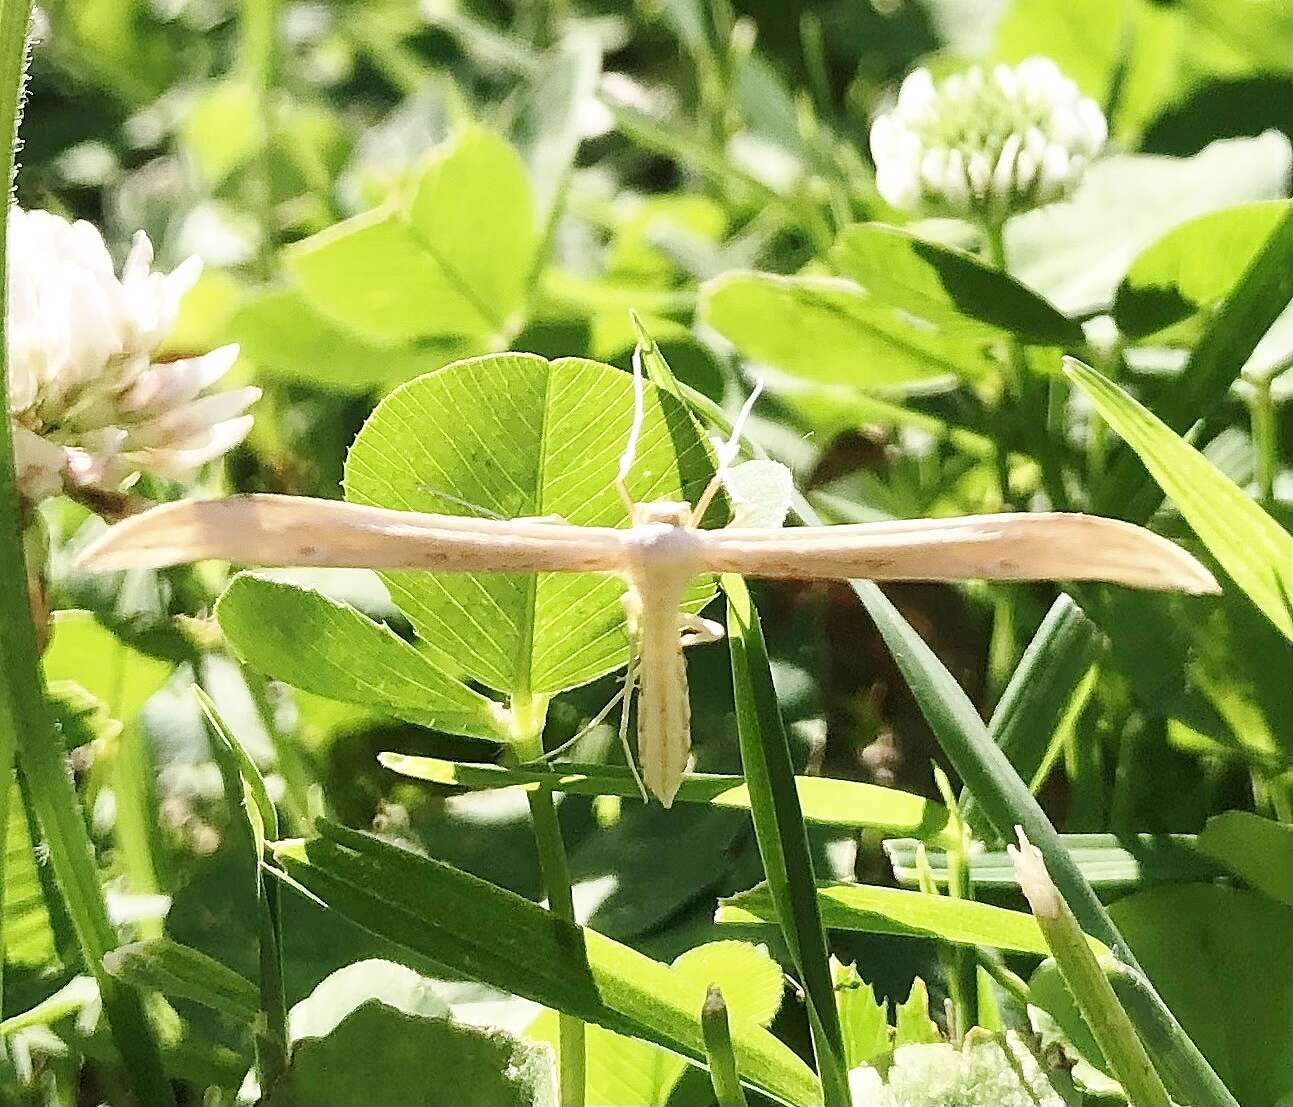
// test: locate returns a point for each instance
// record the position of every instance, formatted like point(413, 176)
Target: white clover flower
point(983, 146)
point(89, 404)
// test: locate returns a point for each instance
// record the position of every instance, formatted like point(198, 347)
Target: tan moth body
point(657, 556)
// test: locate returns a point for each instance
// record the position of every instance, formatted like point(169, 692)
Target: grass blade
point(824, 801)
point(499, 938)
point(1109, 862)
point(1253, 549)
point(244, 783)
point(1039, 691)
point(871, 909)
point(182, 972)
point(779, 828)
point(1237, 325)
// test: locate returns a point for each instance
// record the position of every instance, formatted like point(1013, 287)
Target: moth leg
point(630, 676)
point(633, 613)
point(698, 631)
point(548, 756)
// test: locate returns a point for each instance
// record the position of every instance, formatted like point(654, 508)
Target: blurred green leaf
point(1223, 961)
point(948, 287)
point(1085, 40)
point(223, 128)
point(830, 330)
point(1259, 851)
point(1191, 269)
point(286, 337)
point(548, 130)
point(181, 972)
point(1251, 547)
point(379, 1050)
point(454, 262)
point(84, 651)
point(825, 801)
point(1232, 335)
point(499, 938)
point(512, 435)
point(879, 910)
point(1077, 252)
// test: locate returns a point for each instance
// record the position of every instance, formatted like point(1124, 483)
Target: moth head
point(672, 513)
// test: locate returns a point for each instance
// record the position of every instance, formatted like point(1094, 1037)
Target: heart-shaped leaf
point(512, 435)
point(454, 262)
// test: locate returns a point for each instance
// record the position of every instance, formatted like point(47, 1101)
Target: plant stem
point(528, 713)
point(258, 28)
point(718, 1049)
point(1104, 1014)
point(15, 16)
point(25, 711)
point(1021, 392)
point(964, 978)
point(1265, 432)
point(781, 834)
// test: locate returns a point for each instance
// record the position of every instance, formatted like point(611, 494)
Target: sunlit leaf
point(300, 636)
point(826, 801)
point(829, 330)
point(513, 435)
point(880, 910)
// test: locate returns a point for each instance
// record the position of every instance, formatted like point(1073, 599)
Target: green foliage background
point(383, 189)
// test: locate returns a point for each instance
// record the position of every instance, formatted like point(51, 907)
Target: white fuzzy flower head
point(90, 405)
point(984, 145)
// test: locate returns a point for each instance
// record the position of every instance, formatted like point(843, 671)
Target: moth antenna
point(629, 456)
point(726, 452)
point(477, 509)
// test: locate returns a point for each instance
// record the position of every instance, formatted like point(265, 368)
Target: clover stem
point(26, 721)
point(1021, 396)
point(1261, 409)
point(529, 713)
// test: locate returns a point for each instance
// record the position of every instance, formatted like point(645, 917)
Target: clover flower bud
point(90, 403)
point(982, 146)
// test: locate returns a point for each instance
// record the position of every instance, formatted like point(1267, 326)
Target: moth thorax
point(664, 550)
point(670, 512)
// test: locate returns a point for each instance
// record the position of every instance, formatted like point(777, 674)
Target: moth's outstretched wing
point(1040, 546)
point(300, 530)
